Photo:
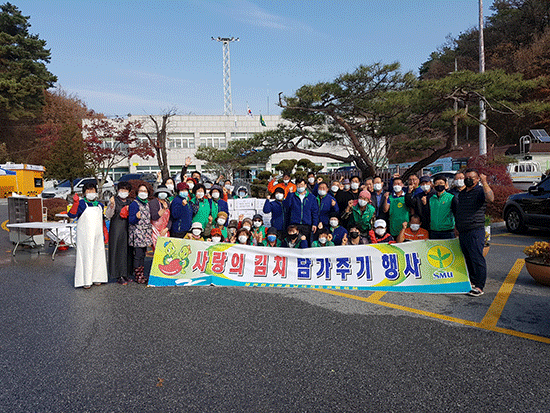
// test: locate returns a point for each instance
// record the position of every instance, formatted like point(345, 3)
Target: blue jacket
point(182, 216)
point(338, 234)
point(326, 209)
point(278, 215)
point(302, 213)
point(82, 205)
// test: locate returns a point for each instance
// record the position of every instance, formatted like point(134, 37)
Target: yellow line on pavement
point(497, 306)
point(4, 227)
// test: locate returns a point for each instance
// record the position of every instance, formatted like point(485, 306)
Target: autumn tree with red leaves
point(109, 142)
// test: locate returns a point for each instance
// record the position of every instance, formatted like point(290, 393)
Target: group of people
point(308, 212)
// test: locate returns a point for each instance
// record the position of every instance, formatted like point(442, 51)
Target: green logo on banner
point(440, 257)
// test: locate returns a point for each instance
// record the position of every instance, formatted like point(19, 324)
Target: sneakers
point(475, 292)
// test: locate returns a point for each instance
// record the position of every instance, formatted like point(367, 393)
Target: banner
point(433, 266)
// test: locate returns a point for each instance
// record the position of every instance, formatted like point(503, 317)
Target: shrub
point(55, 206)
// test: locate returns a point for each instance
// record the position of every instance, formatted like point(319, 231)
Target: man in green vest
point(442, 209)
point(397, 208)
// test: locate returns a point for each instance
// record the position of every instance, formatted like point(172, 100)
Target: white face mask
point(228, 187)
point(311, 180)
point(334, 188)
point(323, 240)
point(216, 239)
point(242, 194)
point(170, 187)
point(334, 223)
point(415, 227)
point(215, 195)
point(354, 185)
point(91, 196)
point(301, 189)
point(322, 192)
point(459, 183)
point(123, 194)
point(286, 181)
point(200, 195)
point(190, 185)
point(243, 239)
point(346, 187)
point(279, 196)
point(380, 231)
point(257, 224)
point(247, 227)
point(426, 188)
point(163, 195)
point(362, 202)
point(221, 221)
point(143, 195)
point(377, 187)
point(397, 188)
point(196, 231)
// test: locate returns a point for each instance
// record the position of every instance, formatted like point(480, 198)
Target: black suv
point(144, 176)
point(529, 209)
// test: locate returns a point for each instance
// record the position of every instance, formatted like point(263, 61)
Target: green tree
point(23, 77)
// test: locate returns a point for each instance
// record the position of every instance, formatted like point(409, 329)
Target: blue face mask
point(301, 189)
point(272, 238)
point(184, 194)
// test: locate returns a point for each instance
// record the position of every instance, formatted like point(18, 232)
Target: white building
point(185, 133)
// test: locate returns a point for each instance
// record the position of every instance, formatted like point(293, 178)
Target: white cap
point(196, 225)
point(379, 223)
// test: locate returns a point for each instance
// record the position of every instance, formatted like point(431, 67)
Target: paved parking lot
point(116, 348)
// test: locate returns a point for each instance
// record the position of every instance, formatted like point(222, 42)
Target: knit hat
point(364, 194)
point(182, 186)
point(216, 231)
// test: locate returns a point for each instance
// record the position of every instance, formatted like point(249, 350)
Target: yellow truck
point(22, 179)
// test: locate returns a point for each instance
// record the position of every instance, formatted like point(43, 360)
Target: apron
point(91, 264)
point(159, 225)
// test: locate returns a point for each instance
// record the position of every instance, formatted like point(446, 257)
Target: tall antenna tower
point(227, 102)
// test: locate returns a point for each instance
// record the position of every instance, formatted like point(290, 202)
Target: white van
point(525, 173)
point(63, 189)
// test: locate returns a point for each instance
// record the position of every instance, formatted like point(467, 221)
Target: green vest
point(203, 213)
point(441, 215)
point(399, 213)
point(363, 219)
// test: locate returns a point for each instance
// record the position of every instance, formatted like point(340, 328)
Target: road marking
point(497, 306)
point(489, 321)
point(4, 227)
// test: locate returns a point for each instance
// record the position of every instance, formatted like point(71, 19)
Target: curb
point(501, 224)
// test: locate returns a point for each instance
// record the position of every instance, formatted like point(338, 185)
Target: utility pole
point(455, 120)
point(482, 112)
point(227, 102)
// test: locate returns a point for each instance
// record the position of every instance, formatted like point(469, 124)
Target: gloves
point(74, 208)
point(125, 212)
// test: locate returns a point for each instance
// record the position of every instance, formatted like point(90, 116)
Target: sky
point(145, 57)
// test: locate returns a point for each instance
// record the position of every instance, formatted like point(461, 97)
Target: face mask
point(123, 194)
point(334, 223)
point(200, 195)
point(228, 187)
point(397, 188)
point(415, 227)
point(439, 188)
point(216, 239)
point(91, 196)
point(272, 238)
point(163, 195)
point(279, 196)
point(242, 194)
point(215, 195)
point(243, 239)
point(322, 193)
point(231, 231)
point(354, 185)
point(221, 221)
point(346, 187)
point(354, 234)
point(380, 231)
point(286, 181)
point(300, 189)
point(170, 187)
point(469, 182)
point(426, 188)
point(191, 185)
point(257, 224)
point(247, 227)
point(334, 188)
point(311, 180)
point(143, 195)
point(196, 232)
point(459, 183)
point(362, 202)
point(293, 236)
point(184, 194)
point(323, 240)
point(377, 187)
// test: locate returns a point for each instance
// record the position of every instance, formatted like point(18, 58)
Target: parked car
point(143, 176)
point(63, 189)
point(450, 175)
point(528, 209)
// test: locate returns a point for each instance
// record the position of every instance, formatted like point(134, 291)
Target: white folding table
point(52, 226)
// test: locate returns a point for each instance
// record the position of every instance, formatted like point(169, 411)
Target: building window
point(241, 135)
point(181, 141)
point(213, 140)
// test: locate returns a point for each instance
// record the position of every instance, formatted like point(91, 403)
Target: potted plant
point(538, 261)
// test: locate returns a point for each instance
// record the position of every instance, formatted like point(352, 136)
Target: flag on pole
point(262, 122)
point(248, 111)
